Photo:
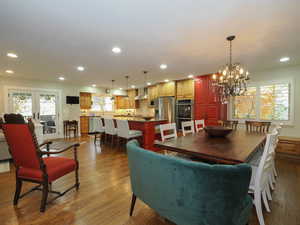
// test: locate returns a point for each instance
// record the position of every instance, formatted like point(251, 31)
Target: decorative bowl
point(217, 131)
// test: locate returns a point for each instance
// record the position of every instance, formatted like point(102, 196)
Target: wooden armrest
point(45, 143)
point(74, 145)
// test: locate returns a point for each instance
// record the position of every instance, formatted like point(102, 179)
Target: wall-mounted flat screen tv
point(73, 100)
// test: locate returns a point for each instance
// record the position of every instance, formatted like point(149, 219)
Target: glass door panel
point(48, 113)
point(21, 103)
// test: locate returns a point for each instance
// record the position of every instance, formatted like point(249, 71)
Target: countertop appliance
point(184, 111)
point(165, 109)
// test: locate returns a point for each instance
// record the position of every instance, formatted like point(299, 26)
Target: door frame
point(31, 89)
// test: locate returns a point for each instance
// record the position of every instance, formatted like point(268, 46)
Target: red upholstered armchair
point(30, 164)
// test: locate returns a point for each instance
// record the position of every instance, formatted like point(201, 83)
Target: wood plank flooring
point(104, 195)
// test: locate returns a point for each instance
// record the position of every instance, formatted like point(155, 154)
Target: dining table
point(238, 147)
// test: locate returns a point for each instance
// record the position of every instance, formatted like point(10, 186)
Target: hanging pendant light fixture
point(231, 80)
point(112, 89)
point(127, 87)
point(145, 87)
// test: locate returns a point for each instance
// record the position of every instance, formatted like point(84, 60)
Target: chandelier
point(231, 79)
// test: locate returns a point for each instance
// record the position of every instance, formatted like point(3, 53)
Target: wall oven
point(184, 111)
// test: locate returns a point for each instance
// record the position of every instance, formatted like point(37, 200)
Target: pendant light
point(111, 90)
point(127, 88)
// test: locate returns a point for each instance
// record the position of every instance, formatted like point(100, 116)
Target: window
point(264, 102)
point(245, 106)
point(102, 103)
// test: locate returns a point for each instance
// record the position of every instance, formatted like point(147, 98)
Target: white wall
point(69, 112)
point(285, 73)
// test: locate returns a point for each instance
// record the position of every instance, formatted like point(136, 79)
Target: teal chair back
point(188, 192)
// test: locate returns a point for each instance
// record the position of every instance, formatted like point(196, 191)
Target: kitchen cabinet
point(185, 89)
point(152, 94)
point(84, 125)
point(166, 89)
point(85, 100)
point(122, 102)
point(206, 104)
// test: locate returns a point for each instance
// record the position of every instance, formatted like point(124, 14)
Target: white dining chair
point(124, 131)
point(168, 131)
point(110, 129)
point(188, 127)
point(98, 128)
point(259, 184)
point(199, 124)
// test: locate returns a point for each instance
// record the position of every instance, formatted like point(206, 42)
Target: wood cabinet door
point(85, 100)
point(84, 125)
point(188, 89)
point(180, 89)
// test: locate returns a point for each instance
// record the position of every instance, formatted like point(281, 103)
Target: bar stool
point(124, 131)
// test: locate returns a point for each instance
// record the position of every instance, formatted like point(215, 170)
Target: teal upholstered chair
point(187, 192)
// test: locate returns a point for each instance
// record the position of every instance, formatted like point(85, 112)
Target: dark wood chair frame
point(46, 186)
point(258, 126)
point(229, 123)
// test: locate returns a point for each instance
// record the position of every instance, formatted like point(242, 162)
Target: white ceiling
point(52, 37)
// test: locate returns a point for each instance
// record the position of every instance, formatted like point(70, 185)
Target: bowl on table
point(217, 131)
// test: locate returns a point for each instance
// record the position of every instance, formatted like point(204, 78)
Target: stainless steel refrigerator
point(165, 109)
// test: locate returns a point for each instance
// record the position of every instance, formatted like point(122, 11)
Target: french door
point(40, 105)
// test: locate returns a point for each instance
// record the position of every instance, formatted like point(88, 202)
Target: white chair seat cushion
point(135, 133)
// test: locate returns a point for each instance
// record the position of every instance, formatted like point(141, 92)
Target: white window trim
point(291, 82)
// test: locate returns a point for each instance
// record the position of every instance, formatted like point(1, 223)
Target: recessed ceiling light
point(132, 86)
point(80, 68)
point(116, 50)
point(285, 59)
point(166, 80)
point(148, 83)
point(94, 85)
point(12, 55)
point(61, 78)
point(163, 66)
point(9, 71)
point(121, 89)
point(190, 75)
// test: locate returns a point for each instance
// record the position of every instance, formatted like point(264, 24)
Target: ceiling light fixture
point(116, 50)
point(166, 80)
point(163, 66)
point(284, 59)
point(121, 89)
point(94, 85)
point(12, 55)
point(61, 78)
point(132, 86)
point(9, 71)
point(148, 83)
point(191, 76)
point(80, 68)
point(231, 79)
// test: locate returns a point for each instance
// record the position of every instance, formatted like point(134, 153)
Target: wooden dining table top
point(238, 147)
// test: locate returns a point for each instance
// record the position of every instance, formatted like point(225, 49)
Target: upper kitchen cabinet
point(185, 89)
point(122, 102)
point(85, 100)
point(166, 89)
point(152, 93)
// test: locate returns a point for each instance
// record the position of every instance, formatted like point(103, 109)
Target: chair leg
point(264, 195)
point(258, 207)
point(45, 196)
point(18, 190)
point(77, 178)
point(133, 200)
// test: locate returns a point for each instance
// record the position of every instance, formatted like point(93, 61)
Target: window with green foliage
point(264, 102)
point(102, 103)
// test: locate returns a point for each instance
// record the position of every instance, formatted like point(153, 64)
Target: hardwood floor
point(104, 195)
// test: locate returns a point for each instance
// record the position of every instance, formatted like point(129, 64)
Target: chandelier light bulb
point(241, 71)
point(214, 76)
point(224, 72)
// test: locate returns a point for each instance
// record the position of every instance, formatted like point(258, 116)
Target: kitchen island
point(147, 127)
